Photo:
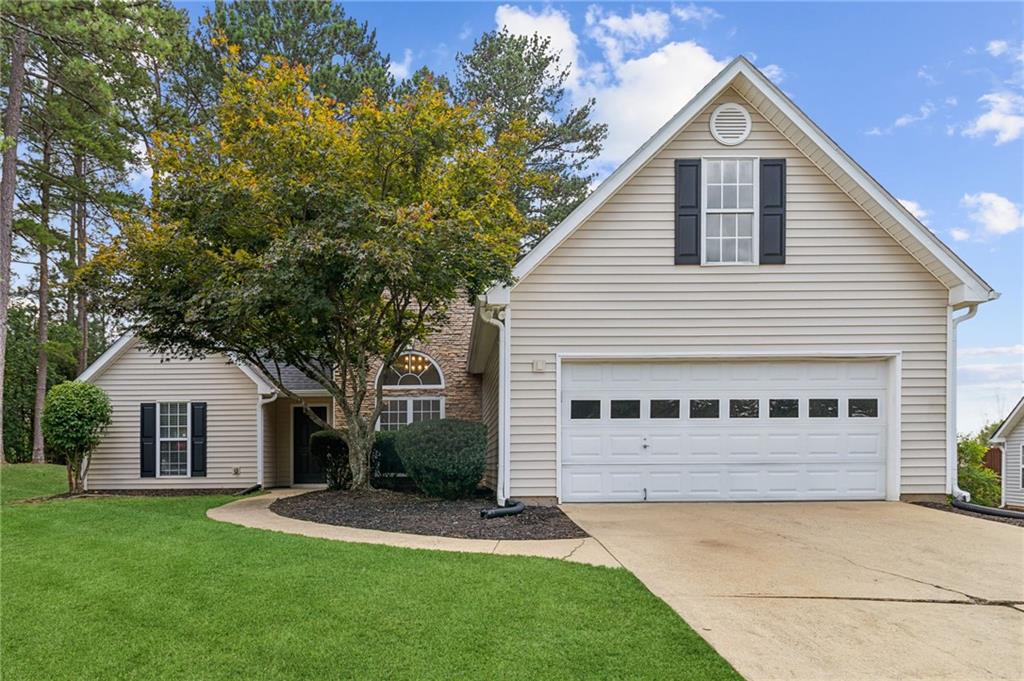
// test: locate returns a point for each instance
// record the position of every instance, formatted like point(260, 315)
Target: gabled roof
point(126, 342)
point(1009, 424)
point(965, 286)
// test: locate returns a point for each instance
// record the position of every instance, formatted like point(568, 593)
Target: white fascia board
point(975, 289)
point(107, 358)
point(1009, 424)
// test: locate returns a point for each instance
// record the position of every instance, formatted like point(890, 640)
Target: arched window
point(413, 370)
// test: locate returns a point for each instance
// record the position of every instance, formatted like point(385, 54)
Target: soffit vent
point(730, 124)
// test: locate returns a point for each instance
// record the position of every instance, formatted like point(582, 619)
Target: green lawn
point(150, 588)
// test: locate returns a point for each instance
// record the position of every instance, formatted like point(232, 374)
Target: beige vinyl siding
point(612, 287)
point(269, 446)
point(1014, 494)
point(489, 411)
point(139, 376)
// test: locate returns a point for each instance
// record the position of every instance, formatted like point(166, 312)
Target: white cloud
point(775, 73)
point(924, 74)
point(923, 112)
point(401, 70)
point(995, 214)
point(635, 94)
point(676, 71)
point(466, 33)
point(618, 35)
point(959, 234)
point(1012, 350)
point(951, 101)
point(875, 132)
point(691, 12)
point(549, 23)
point(1005, 117)
point(997, 47)
point(915, 208)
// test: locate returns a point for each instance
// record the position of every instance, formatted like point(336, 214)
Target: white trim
point(504, 398)
point(188, 439)
point(755, 244)
point(261, 402)
point(408, 399)
point(893, 478)
point(108, 357)
point(432, 386)
point(506, 403)
point(977, 290)
point(1009, 423)
point(952, 469)
point(124, 343)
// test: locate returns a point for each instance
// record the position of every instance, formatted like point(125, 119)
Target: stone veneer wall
point(449, 347)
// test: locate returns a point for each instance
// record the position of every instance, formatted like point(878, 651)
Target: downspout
point(952, 486)
point(261, 401)
point(495, 315)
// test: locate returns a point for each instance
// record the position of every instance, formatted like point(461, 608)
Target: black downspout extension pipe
point(248, 490)
point(986, 510)
point(514, 508)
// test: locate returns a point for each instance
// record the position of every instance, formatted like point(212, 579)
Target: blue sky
point(929, 98)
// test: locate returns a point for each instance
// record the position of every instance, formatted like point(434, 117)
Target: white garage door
point(733, 430)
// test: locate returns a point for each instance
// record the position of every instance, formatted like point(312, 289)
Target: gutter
point(498, 316)
point(261, 401)
point(952, 486)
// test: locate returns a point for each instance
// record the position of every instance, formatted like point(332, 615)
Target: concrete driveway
point(873, 590)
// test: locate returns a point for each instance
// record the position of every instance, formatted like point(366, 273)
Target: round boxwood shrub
point(329, 448)
point(75, 414)
point(445, 458)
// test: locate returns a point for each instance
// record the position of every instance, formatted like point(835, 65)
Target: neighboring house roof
point(125, 343)
point(965, 286)
point(1010, 423)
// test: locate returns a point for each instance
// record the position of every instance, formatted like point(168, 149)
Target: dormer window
point(729, 218)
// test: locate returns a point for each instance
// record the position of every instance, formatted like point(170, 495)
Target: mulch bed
point(163, 492)
point(953, 509)
point(404, 512)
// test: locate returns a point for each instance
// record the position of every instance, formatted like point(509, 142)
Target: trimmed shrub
point(445, 458)
point(983, 483)
point(75, 414)
point(387, 471)
point(329, 448)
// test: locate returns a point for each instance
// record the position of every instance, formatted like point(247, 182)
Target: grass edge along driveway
point(149, 588)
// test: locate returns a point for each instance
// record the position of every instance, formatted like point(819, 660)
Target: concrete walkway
point(255, 512)
point(820, 591)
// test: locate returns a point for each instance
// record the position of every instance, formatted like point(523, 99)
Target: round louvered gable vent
point(730, 124)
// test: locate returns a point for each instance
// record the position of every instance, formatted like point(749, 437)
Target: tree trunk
point(360, 447)
point(38, 450)
point(12, 130)
point(80, 252)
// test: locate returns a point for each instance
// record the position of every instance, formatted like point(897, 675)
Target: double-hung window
point(729, 214)
point(172, 439)
point(401, 411)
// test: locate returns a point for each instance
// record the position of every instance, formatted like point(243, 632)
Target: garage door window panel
point(784, 408)
point(664, 409)
point(703, 409)
point(818, 408)
point(862, 408)
point(625, 409)
point(582, 410)
point(744, 409)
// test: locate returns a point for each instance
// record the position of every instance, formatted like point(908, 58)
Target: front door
point(307, 468)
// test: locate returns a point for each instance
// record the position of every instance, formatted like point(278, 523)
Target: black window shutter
point(688, 211)
point(773, 211)
point(147, 440)
point(198, 439)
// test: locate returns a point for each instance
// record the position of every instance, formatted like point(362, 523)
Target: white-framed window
point(399, 412)
point(413, 370)
point(173, 429)
point(729, 193)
